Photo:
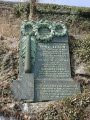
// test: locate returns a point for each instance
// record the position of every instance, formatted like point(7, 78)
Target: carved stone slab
point(52, 71)
point(54, 89)
point(23, 88)
point(52, 61)
point(50, 77)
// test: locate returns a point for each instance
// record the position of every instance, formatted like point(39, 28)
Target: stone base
point(55, 89)
point(27, 88)
point(23, 88)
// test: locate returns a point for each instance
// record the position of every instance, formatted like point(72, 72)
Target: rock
point(87, 112)
point(36, 107)
point(25, 107)
point(82, 69)
point(2, 37)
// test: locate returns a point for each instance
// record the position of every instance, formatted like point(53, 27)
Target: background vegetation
point(77, 20)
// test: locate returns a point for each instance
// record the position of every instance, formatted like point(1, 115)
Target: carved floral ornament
point(32, 28)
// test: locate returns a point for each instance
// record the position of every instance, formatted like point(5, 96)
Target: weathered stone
point(24, 87)
point(49, 61)
point(36, 107)
point(82, 69)
point(2, 37)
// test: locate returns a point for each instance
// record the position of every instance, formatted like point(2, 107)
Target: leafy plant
point(81, 48)
point(84, 12)
point(21, 8)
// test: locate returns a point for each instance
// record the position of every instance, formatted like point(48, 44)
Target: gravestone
point(44, 72)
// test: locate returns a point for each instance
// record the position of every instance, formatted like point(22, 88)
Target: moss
point(20, 8)
point(81, 47)
point(8, 68)
point(69, 109)
point(83, 12)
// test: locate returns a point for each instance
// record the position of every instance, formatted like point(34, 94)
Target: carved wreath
point(27, 28)
point(60, 30)
point(32, 28)
point(47, 37)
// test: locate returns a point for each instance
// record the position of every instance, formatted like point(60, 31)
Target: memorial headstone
point(44, 72)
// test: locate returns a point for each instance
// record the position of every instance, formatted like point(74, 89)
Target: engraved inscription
point(52, 72)
point(52, 60)
point(55, 89)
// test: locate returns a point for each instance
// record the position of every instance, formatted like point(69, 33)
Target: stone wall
point(9, 24)
point(78, 26)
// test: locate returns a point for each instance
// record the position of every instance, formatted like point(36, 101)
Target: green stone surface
point(52, 61)
point(44, 32)
point(27, 66)
point(52, 71)
point(55, 89)
point(23, 88)
point(49, 63)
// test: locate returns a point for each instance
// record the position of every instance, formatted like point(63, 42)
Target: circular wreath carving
point(27, 28)
point(46, 37)
point(60, 30)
